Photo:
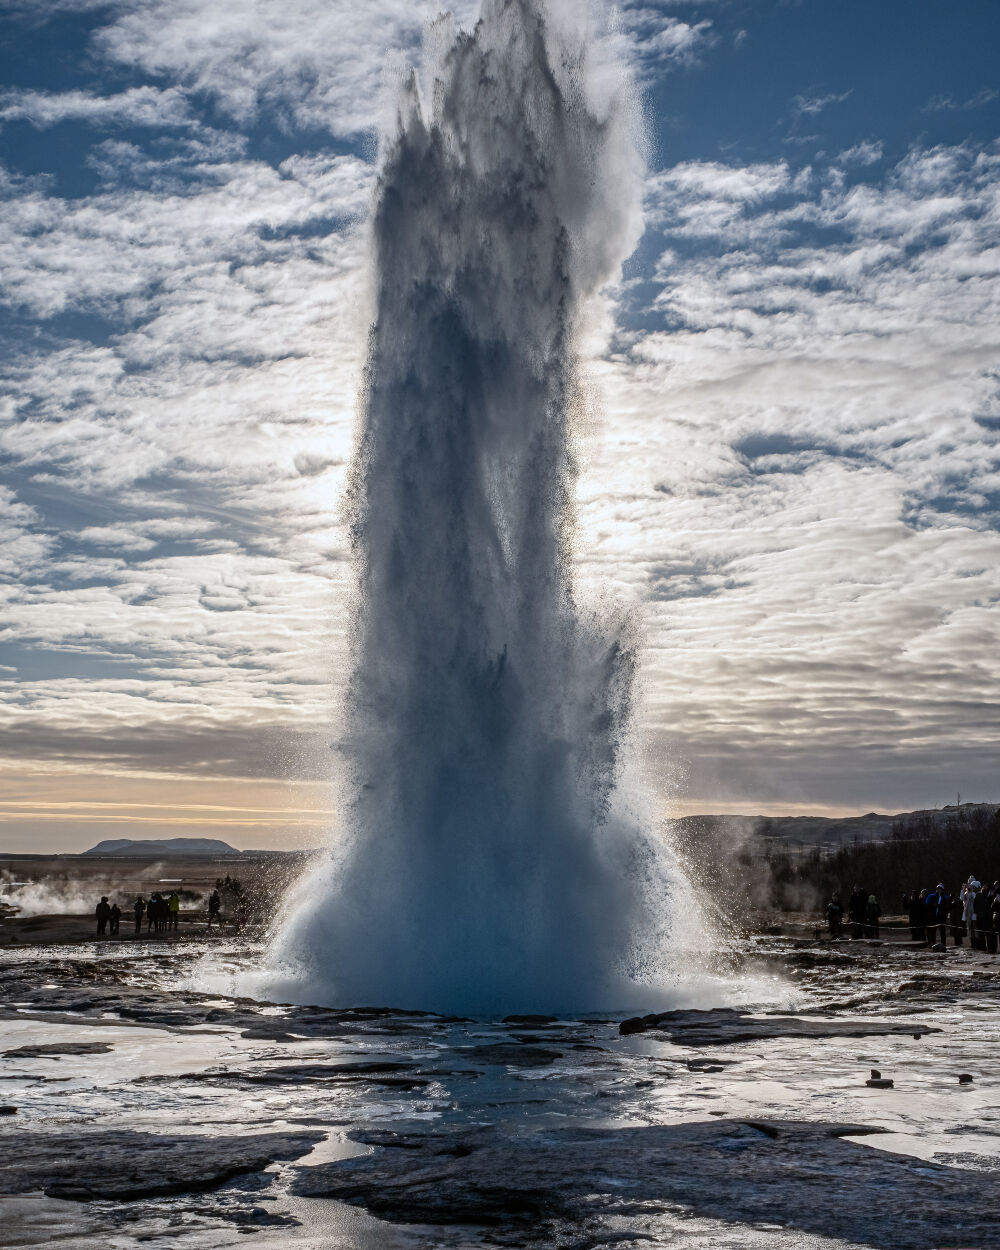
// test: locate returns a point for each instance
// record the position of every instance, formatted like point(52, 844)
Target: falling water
point(489, 861)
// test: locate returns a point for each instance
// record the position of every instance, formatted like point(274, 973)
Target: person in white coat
point(969, 909)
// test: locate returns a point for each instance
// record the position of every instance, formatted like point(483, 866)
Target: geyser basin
point(499, 1134)
point(491, 861)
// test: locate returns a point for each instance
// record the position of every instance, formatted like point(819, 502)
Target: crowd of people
point(863, 912)
point(971, 914)
point(109, 918)
point(160, 911)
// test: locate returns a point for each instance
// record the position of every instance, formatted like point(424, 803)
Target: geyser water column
point(486, 864)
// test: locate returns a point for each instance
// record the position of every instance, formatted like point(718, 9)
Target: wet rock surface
point(56, 1049)
point(745, 1171)
point(156, 1105)
point(723, 1028)
point(121, 1164)
point(515, 1054)
point(392, 1075)
point(130, 989)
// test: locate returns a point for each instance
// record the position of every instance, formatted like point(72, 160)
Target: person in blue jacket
point(936, 910)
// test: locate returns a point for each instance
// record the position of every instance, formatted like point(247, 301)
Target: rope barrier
point(905, 924)
point(961, 926)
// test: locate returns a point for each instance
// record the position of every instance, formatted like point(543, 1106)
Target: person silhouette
point(103, 913)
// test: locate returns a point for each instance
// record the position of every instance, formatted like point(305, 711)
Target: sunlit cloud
point(806, 105)
point(793, 471)
point(139, 106)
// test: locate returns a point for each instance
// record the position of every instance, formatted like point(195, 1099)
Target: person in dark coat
point(858, 906)
point(914, 906)
point(835, 917)
point(955, 919)
point(103, 913)
point(937, 912)
point(872, 913)
point(987, 912)
point(115, 918)
point(994, 937)
point(140, 911)
point(214, 908)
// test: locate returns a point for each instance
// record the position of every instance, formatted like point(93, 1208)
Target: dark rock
point(530, 1021)
point(8, 1109)
point(389, 1074)
point(55, 1049)
point(351, 1071)
point(123, 1164)
point(965, 1078)
point(549, 1188)
point(515, 1054)
point(363, 1013)
point(635, 1024)
point(879, 1083)
point(724, 1027)
point(876, 1074)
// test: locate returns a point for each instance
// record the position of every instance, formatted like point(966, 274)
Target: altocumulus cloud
point(139, 106)
point(820, 422)
point(797, 479)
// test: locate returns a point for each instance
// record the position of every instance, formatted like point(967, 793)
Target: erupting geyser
point(488, 863)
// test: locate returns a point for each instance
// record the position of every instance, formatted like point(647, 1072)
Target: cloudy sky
point(795, 477)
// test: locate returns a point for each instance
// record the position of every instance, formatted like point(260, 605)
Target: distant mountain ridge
point(156, 847)
point(804, 831)
point(812, 830)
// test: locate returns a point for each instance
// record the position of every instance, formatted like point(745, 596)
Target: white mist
point(491, 862)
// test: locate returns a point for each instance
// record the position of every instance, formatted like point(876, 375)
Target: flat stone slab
point(125, 1165)
point(263, 1034)
point(55, 1049)
point(554, 1186)
point(393, 1075)
point(724, 1027)
point(97, 988)
point(513, 1054)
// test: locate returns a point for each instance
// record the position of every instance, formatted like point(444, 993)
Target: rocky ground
point(142, 1107)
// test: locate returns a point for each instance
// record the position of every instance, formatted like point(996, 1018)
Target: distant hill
point(157, 847)
point(811, 831)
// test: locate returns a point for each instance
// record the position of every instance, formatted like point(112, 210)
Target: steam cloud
point(60, 894)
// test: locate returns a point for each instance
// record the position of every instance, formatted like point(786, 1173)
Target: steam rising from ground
point(62, 894)
point(491, 862)
point(47, 897)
